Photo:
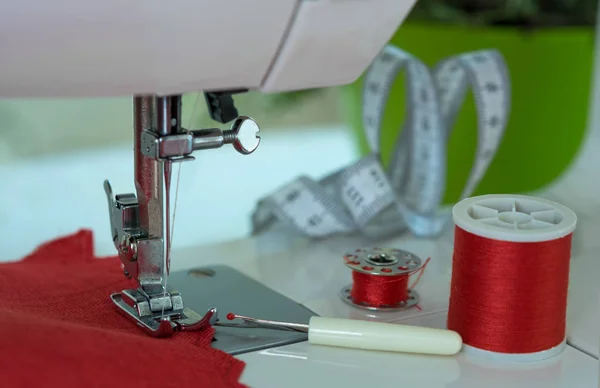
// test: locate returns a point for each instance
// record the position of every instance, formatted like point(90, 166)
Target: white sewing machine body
point(155, 52)
point(71, 48)
point(88, 48)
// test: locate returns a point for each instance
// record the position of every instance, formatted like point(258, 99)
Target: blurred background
point(54, 154)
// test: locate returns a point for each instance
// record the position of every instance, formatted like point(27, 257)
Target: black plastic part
point(176, 114)
point(221, 106)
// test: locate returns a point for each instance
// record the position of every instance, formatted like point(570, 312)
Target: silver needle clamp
point(140, 223)
point(242, 135)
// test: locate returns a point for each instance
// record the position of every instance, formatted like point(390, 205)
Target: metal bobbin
point(381, 262)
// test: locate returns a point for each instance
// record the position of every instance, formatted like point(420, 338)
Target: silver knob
point(243, 135)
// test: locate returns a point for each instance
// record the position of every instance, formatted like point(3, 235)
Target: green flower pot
point(551, 77)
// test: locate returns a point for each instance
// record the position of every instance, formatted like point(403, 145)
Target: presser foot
point(159, 323)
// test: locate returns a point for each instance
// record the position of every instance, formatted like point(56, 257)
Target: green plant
point(524, 13)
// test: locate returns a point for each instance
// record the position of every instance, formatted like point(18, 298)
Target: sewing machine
point(283, 45)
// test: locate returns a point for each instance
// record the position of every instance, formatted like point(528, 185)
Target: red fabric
point(58, 328)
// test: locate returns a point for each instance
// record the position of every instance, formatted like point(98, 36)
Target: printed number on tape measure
point(415, 181)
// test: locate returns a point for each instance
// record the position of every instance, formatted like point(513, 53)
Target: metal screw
point(243, 135)
point(128, 248)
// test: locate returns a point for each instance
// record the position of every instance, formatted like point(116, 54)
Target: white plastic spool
point(520, 219)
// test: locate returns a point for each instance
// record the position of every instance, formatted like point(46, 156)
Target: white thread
point(192, 117)
point(168, 257)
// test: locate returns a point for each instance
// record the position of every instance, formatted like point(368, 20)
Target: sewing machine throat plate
point(231, 291)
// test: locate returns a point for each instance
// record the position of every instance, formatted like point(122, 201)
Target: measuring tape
point(410, 193)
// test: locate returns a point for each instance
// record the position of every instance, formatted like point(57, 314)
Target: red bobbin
point(381, 279)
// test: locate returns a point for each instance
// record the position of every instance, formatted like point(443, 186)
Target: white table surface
point(314, 276)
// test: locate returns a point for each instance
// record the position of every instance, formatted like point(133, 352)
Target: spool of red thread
point(510, 276)
point(380, 279)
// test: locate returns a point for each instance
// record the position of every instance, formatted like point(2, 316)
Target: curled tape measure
point(410, 192)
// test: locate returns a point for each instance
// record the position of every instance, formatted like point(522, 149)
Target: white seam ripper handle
point(382, 336)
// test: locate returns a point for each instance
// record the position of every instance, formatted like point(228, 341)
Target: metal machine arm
point(140, 224)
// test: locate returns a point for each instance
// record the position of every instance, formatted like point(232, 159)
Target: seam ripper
point(366, 335)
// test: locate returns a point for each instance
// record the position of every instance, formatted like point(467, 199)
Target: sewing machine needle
point(167, 173)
